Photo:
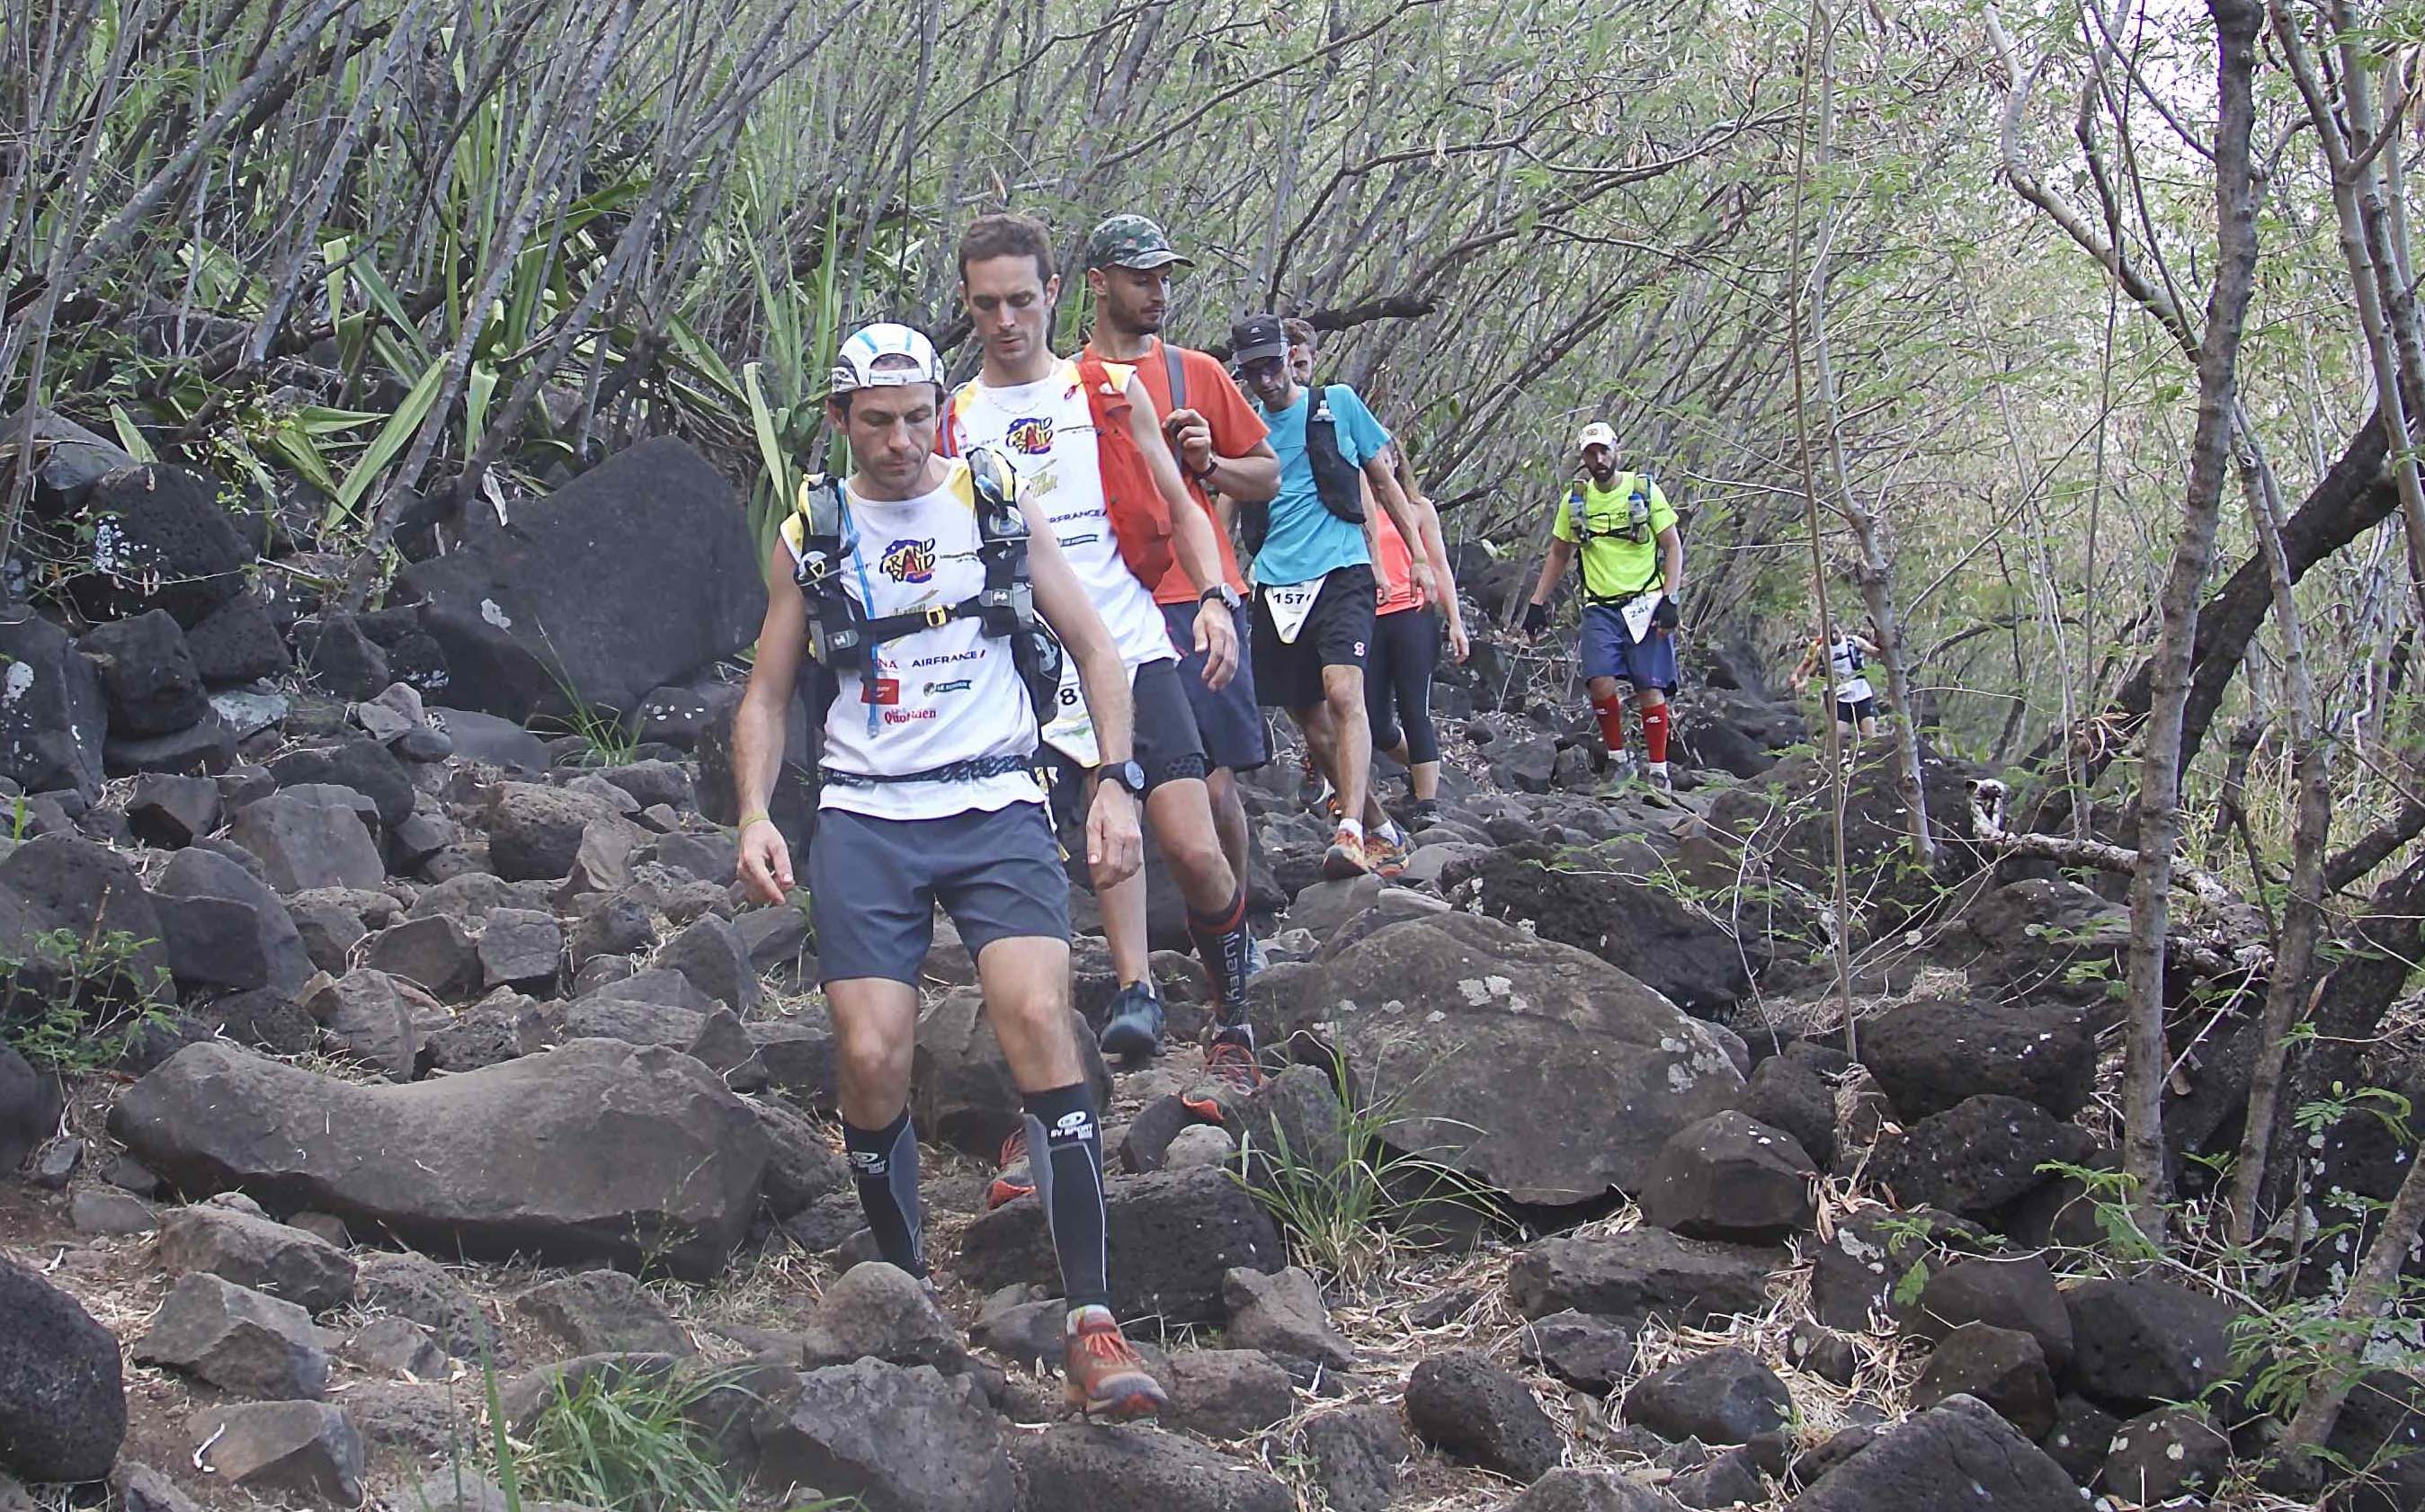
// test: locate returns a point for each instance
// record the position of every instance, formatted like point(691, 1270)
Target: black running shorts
point(1337, 633)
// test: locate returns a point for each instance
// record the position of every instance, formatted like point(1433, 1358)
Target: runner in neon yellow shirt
point(1624, 530)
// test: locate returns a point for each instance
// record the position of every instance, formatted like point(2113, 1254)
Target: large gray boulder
point(160, 539)
point(1931, 1053)
point(1470, 1409)
point(62, 1394)
point(195, 872)
point(1732, 1177)
point(1105, 1469)
point(597, 1150)
point(1642, 931)
point(1956, 1457)
point(897, 1439)
point(241, 1341)
point(1532, 1067)
point(51, 718)
point(29, 1108)
point(148, 678)
point(309, 836)
point(272, 1258)
point(638, 571)
point(64, 882)
point(309, 1449)
point(1641, 1273)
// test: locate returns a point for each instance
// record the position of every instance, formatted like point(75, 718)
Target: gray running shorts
point(873, 884)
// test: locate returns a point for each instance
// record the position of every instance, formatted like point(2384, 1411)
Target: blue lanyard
point(868, 680)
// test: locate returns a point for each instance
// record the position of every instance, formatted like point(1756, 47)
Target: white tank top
point(1844, 665)
point(1046, 432)
point(942, 695)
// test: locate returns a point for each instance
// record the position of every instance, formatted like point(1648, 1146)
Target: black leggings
point(1397, 682)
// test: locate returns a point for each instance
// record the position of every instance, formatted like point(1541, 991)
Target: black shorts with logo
point(1338, 632)
point(1165, 742)
point(1227, 717)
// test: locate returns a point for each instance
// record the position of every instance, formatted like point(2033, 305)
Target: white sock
point(1351, 826)
point(1078, 1314)
point(1391, 833)
point(1659, 767)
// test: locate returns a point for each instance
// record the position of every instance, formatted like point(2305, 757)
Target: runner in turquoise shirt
point(1305, 539)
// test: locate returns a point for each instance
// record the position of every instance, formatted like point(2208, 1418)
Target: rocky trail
point(412, 1079)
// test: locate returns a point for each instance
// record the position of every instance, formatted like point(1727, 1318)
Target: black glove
point(1536, 618)
point(1666, 614)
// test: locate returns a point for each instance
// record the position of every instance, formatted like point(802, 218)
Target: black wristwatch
point(1222, 591)
point(1126, 774)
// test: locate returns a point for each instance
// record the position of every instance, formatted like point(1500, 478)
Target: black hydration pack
point(841, 636)
point(1338, 482)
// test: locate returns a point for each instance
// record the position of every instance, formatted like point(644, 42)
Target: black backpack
point(839, 633)
point(1338, 482)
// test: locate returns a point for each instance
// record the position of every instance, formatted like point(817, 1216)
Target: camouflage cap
point(1131, 241)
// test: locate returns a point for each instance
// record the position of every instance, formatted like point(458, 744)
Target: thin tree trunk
point(2358, 207)
point(1814, 60)
point(1875, 578)
point(2311, 758)
point(2159, 785)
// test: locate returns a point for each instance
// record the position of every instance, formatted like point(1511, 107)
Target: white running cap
point(884, 356)
point(1595, 434)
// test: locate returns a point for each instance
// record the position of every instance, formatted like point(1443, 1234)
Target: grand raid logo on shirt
point(908, 561)
point(1030, 438)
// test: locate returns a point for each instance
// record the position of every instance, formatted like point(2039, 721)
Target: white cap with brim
point(1595, 434)
point(884, 356)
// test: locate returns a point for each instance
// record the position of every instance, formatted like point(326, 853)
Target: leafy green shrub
point(76, 1003)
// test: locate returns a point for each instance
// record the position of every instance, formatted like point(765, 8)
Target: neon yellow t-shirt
point(1616, 566)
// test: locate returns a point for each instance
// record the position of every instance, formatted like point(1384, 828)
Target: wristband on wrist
point(756, 816)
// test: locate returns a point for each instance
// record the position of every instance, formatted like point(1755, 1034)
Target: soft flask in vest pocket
point(834, 638)
point(1010, 595)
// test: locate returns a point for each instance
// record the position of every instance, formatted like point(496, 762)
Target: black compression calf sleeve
point(884, 1161)
point(1064, 1153)
point(1224, 940)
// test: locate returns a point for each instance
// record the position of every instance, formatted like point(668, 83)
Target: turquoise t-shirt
point(1306, 540)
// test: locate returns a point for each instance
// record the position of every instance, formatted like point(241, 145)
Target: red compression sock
point(1654, 731)
point(1611, 722)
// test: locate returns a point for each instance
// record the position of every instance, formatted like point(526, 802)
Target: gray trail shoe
point(1135, 1032)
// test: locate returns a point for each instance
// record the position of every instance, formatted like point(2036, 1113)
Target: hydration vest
point(841, 634)
point(1338, 482)
point(1634, 529)
point(1133, 500)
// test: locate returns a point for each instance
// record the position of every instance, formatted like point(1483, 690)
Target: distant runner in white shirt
point(1847, 658)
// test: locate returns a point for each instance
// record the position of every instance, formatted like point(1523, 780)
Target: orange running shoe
point(1106, 1377)
point(1384, 857)
point(1345, 857)
point(1016, 1179)
point(1230, 1067)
